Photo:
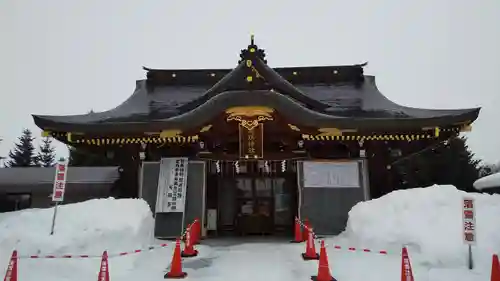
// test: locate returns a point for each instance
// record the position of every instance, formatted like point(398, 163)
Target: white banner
point(60, 181)
point(332, 174)
point(172, 185)
point(469, 221)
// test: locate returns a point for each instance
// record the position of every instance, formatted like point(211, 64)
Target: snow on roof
point(490, 181)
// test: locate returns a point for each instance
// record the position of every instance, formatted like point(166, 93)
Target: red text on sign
point(468, 204)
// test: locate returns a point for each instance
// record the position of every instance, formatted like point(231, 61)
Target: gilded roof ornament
point(252, 51)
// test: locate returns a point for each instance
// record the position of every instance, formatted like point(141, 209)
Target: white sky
point(67, 57)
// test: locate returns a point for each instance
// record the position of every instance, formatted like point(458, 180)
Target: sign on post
point(59, 188)
point(60, 181)
point(469, 221)
point(469, 226)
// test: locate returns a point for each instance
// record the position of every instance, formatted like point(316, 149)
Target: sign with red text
point(469, 221)
point(406, 271)
point(60, 181)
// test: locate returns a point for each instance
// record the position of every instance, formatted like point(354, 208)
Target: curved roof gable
point(338, 91)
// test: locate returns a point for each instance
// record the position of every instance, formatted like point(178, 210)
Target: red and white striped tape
point(90, 256)
point(98, 256)
point(351, 249)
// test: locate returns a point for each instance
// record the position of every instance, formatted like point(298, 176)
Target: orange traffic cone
point(176, 265)
point(495, 269)
point(298, 232)
point(323, 267)
point(307, 229)
point(196, 232)
point(310, 253)
point(189, 250)
point(104, 269)
point(406, 271)
point(11, 273)
point(184, 237)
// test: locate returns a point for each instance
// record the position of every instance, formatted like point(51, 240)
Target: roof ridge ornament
point(252, 51)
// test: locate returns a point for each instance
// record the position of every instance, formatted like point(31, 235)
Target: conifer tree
point(23, 154)
point(46, 156)
point(452, 163)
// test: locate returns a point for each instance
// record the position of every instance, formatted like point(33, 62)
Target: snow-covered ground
point(427, 220)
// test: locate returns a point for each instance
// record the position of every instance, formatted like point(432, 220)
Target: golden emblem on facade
point(249, 117)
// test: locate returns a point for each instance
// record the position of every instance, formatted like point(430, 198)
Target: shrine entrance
point(253, 203)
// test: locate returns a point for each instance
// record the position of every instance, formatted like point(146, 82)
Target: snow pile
point(84, 228)
point(490, 181)
point(429, 222)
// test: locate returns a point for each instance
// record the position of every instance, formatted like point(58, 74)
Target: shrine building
point(248, 149)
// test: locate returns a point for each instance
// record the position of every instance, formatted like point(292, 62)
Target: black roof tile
point(336, 91)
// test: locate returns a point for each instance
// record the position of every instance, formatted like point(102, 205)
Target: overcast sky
point(67, 57)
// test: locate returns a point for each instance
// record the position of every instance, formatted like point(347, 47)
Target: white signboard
point(331, 174)
point(172, 185)
point(469, 221)
point(60, 181)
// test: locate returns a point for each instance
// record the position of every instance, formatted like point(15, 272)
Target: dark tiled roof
point(330, 94)
point(342, 100)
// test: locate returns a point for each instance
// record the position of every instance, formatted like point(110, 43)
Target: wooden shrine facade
point(256, 112)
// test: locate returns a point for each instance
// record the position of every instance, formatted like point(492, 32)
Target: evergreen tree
point(488, 169)
point(452, 163)
point(23, 154)
point(46, 156)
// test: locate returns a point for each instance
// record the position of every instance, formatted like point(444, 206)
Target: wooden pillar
point(378, 161)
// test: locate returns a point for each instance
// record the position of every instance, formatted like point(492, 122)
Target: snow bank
point(83, 228)
point(489, 181)
point(427, 220)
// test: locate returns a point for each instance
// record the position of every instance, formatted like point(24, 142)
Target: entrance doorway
point(256, 205)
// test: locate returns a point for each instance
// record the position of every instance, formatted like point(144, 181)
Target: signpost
point(469, 226)
point(59, 188)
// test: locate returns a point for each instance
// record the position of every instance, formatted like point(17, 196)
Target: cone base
point(175, 276)
point(315, 278)
point(184, 254)
point(310, 258)
point(295, 241)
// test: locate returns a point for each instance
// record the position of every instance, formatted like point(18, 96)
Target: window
point(283, 214)
point(263, 187)
point(244, 187)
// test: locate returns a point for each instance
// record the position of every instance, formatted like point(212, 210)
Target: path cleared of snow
point(427, 220)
